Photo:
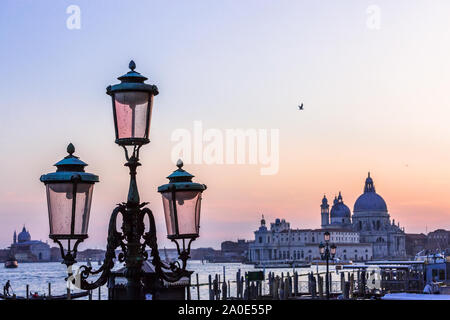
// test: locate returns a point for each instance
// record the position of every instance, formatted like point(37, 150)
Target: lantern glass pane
point(133, 109)
point(60, 204)
point(169, 213)
point(83, 207)
point(188, 212)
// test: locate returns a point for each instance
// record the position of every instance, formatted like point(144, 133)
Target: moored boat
point(75, 295)
point(11, 262)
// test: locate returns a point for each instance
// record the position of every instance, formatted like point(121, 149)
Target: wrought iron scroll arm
point(115, 239)
point(177, 272)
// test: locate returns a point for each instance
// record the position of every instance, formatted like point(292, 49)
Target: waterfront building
point(235, 251)
point(438, 240)
point(280, 242)
point(27, 250)
point(414, 243)
point(367, 234)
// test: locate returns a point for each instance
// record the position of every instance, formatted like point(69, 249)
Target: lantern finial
point(180, 164)
point(132, 65)
point(70, 149)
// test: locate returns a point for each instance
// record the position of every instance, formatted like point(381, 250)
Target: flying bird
point(300, 107)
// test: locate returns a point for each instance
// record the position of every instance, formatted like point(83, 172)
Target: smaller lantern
point(181, 201)
point(326, 236)
point(132, 102)
point(333, 249)
point(69, 196)
point(321, 249)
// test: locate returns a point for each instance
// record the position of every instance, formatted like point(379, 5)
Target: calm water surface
point(38, 275)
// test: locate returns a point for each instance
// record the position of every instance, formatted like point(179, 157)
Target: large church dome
point(370, 200)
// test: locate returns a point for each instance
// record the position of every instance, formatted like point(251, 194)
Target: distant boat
point(11, 262)
point(429, 257)
point(271, 264)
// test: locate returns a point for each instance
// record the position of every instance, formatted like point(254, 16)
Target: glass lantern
point(132, 102)
point(333, 249)
point(182, 204)
point(321, 249)
point(326, 236)
point(69, 197)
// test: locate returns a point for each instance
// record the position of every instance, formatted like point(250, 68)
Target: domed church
point(339, 215)
point(370, 219)
point(27, 250)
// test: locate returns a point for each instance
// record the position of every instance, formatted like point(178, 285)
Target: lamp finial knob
point(132, 65)
point(70, 149)
point(180, 163)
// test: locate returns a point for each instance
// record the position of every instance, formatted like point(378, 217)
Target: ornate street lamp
point(326, 252)
point(132, 106)
point(132, 102)
point(333, 250)
point(321, 249)
point(69, 197)
point(181, 200)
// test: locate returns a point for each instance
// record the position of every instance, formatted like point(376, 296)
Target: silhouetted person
point(6, 288)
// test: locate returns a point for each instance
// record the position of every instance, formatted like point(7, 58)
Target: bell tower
point(325, 212)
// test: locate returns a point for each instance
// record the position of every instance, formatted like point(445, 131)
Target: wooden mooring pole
point(320, 282)
point(295, 283)
point(198, 288)
point(188, 292)
point(211, 295)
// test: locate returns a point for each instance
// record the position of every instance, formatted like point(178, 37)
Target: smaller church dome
point(339, 209)
point(24, 235)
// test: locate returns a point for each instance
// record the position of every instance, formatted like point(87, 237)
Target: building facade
point(438, 240)
point(27, 250)
point(367, 234)
point(414, 243)
point(281, 243)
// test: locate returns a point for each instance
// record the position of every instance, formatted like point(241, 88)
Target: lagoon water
point(38, 275)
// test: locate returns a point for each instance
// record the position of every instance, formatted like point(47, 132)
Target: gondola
point(58, 297)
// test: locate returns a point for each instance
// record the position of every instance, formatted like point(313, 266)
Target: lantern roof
point(181, 180)
point(68, 169)
point(132, 81)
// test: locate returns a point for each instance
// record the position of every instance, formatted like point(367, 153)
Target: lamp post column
point(133, 228)
point(327, 284)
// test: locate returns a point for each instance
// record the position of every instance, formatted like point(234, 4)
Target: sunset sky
point(374, 100)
